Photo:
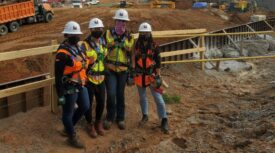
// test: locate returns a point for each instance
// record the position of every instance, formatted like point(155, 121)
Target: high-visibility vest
point(144, 68)
point(96, 70)
point(119, 52)
point(77, 72)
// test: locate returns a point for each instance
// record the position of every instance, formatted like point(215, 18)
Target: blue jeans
point(115, 83)
point(97, 91)
point(158, 100)
point(70, 115)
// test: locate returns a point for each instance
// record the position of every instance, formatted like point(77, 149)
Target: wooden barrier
point(27, 53)
point(180, 52)
point(215, 34)
point(26, 96)
point(174, 33)
point(218, 59)
point(26, 87)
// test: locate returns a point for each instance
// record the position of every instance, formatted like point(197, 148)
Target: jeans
point(158, 100)
point(99, 92)
point(70, 115)
point(115, 83)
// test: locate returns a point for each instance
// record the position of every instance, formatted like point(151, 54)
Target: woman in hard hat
point(120, 44)
point(95, 48)
point(147, 74)
point(70, 78)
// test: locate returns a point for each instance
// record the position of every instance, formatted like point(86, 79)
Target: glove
point(61, 100)
point(158, 81)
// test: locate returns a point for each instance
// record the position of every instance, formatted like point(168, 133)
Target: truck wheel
point(3, 30)
point(13, 26)
point(48, 17)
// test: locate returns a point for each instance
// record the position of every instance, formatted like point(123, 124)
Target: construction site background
point(230, 110)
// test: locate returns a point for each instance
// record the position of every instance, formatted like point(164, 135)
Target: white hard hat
point(72, 27)
point(96, 23)
point(121, 14)
point(145, 27)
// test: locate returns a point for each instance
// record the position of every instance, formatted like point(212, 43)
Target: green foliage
point(171, 99)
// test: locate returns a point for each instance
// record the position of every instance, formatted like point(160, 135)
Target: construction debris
point(255, 18)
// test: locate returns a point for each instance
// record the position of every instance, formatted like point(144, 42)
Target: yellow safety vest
point(95, 72)
point(117, 58)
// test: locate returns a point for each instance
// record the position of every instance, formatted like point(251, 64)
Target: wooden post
point(202, 44)
point(4, 108)
point(53, 95)
point(218, 65)
point(241, 47)
point(46, 93)
point(15, 104)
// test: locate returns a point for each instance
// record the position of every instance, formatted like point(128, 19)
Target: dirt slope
point(218, 112)
point(41, 34)
point(161, 19)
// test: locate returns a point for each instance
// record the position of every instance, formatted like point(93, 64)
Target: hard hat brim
point(121, 19)
point(73, 33)
point(90, 27)
point(145, 31)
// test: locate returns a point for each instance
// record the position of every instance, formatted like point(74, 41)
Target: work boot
point(75, 142)
point(143, 120)
point(164, 125)
point(91, 130)
point(121, 125)
point(107, 124)
point(63, 133)
point(99, 128)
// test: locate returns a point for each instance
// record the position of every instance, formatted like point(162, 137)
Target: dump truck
point(13, 15)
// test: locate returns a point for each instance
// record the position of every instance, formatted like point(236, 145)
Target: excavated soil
point(218, 112)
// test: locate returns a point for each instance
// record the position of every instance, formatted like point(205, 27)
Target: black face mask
point(96, 34)
point(73, 40)
point(144, 37)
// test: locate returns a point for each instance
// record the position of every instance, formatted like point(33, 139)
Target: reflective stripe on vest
point(95, 72)
point(118, 51)
point(144, 70)
point(75, 73)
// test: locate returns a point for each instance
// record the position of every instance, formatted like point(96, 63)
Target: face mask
point(144, 37)
point(120, 27)
point(73, 40)
point(96, 34)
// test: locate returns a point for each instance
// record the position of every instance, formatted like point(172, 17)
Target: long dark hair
point(140, 41)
